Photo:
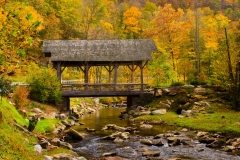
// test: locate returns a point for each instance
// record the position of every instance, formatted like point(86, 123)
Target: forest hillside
point(197, 41)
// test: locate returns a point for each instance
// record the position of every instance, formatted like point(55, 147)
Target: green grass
point(15, 144)
point(207, 122)
point(46, 125)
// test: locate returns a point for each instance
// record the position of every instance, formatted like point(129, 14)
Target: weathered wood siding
point(99, 50)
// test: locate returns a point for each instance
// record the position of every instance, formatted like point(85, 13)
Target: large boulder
point(74, 134)
point(158, 92)
point(159, 112)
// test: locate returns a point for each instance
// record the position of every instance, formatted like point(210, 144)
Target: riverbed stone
point(228, 148)
point(74, 134)
point(173, 141)
point(158, 143)
point(151, 153)
point(216, 144)
point(118, 140)
point(206, 139)
point(200, 90)
point(115, 158)
point(146, 126)
point(201, 134)
point(146, 142)
point(158, 92)
point(109, 154)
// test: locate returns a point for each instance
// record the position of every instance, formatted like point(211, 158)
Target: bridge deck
point(102, 89)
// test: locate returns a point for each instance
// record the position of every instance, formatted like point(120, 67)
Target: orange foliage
point(20, 96)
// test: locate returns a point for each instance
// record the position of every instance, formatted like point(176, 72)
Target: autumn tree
point(131, 19)
point(170, 30)
point(19, 28)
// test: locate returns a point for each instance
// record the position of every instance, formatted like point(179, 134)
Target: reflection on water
point(106, 116)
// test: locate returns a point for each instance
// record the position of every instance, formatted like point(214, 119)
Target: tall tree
point(131, 19)
point(19, 28)
point(171, 30)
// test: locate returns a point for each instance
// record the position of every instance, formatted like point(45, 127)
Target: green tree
point(44, 85)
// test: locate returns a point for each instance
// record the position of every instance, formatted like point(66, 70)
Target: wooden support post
point(59, 71)
point(141, 68)
point(129, 102)
point(86, 76)
point(66, 103)
point(115, 76)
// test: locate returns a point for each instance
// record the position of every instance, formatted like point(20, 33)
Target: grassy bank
point(17, 145)
point(226, 122)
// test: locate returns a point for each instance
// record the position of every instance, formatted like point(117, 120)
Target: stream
point(93, 146)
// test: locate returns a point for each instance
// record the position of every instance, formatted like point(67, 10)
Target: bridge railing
point(103, 87)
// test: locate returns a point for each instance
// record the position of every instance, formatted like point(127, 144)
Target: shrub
point(20, 96)
point(197, 82)
point(5, 86)
point(177, 84)
point(44, 86)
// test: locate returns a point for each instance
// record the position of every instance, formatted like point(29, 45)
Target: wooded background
point(196, 39)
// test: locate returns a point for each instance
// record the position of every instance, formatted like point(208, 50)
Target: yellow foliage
point(107, 26)
point(3, 18)
point(28, 16)
point(131, 19)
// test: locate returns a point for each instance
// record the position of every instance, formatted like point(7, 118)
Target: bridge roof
point(99, 50)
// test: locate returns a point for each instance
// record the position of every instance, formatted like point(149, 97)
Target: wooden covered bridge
point(110, 54)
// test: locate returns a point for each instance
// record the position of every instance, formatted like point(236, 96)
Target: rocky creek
point(159, 142)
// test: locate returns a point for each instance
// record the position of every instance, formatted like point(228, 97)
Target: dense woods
point(198, 40)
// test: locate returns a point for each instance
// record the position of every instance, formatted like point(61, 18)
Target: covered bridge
point(107, 53)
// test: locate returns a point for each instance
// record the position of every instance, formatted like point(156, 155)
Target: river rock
point(151, 153)
point(142, 113)
point(159, 136)
point(201, 134)
point(173, 141)
point(65, 145)
point(186, 113)
point(109, 126)
point(38, 148)
point(158, 143)
point(47, 157)
point(206, 139)
point(66, 123)
point(228, 148)
point(118, 140)
point(74, 134)
point(158, 92)
point(109, 154)
point(159, 112)
point(146, 142)
point(200, 90)
point(36, 110)
point(146, 126)
point(44, 144)
point(184, 130)
point(115, 158)
point(216, 144)
point(65, 156)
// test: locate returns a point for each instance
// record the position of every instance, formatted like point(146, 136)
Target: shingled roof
point(99, 50)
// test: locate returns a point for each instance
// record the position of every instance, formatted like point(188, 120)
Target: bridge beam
point(66, 103)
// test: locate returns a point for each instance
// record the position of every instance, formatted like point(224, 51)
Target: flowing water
point(93, 146)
